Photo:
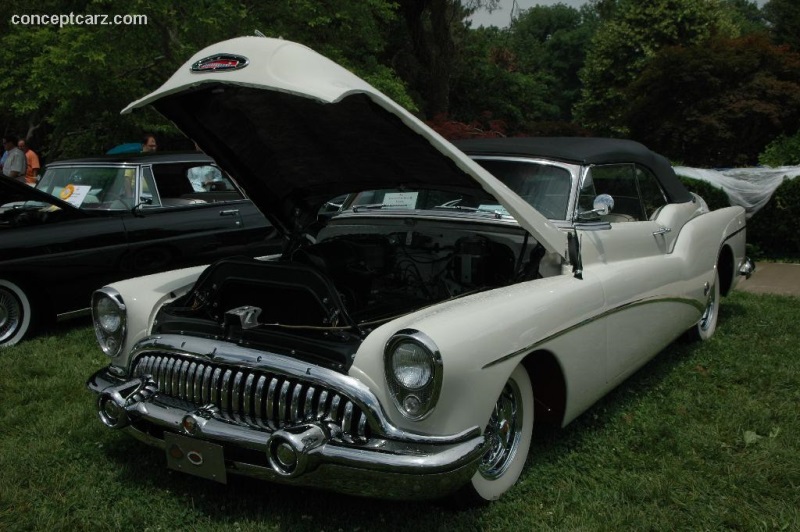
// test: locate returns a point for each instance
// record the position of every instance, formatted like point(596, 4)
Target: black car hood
point(296, 129)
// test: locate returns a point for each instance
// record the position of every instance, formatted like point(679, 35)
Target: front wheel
point(509, 431)
point(15, 313)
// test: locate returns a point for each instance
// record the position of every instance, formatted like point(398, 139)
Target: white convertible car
point(404, 346)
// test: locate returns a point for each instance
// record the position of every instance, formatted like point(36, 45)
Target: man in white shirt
point(15, 165)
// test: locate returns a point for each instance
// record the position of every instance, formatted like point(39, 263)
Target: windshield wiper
point(368, 206)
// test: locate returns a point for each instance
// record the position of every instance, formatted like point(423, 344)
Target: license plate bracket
point(195, 457)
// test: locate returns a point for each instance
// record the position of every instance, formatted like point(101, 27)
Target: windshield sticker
point(494, 208)
point(74, 194)
point(403, 200)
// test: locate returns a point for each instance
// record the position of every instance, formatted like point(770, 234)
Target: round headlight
point(412, 365)
point(413, 369)
point(109, 317)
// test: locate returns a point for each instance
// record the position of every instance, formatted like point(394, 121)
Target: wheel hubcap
point(503, 432)
point(10, 314)
point(711, 308)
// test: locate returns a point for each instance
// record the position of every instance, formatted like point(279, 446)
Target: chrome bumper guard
point(747, 267)
point(391, 463)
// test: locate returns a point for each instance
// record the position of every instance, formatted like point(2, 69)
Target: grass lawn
point(705, 437)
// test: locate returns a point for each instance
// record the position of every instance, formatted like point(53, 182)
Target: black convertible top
point(584, 151)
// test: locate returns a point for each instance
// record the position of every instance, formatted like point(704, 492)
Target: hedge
point(772, 232)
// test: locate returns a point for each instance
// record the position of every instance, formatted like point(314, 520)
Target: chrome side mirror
point(603, 204)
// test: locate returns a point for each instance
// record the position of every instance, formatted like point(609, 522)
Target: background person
point(32, 160)
point(15, 165)
point(149, 143)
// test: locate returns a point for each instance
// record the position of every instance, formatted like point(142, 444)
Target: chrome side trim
point(625, 306)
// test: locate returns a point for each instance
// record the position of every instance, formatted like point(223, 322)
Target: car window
point(187, 184)
point(545, 186)
point(91, 187)
point(618, 181)
point(653, 197)
point(149, 196)
point(424, 199)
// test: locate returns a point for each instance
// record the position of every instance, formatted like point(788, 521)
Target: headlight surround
point(413, 367)
point(110, 320)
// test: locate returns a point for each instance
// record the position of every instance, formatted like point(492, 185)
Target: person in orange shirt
point(32, 175)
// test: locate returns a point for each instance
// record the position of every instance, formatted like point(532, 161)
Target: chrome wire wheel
point(504, 432)
point(707, 325)
point(508, 439)
point(15, 313)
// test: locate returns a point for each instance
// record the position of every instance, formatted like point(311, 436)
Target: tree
point(718, 103)
point(625, 43)
point(551, 42)
point(784, 17)
point(76, 78)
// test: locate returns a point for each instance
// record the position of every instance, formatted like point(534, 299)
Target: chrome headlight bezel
point(110, 320)
point(415, 382)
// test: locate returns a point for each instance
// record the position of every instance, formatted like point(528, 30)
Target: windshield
point(426, 199)
point(545, 186)
point(92, 187)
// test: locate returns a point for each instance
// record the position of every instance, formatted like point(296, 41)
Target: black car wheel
point(15, 313)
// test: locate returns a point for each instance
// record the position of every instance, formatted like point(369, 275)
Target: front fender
point(143, 296)
point(483, 337)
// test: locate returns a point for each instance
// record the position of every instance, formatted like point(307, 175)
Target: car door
point(192, 213)
point(639, 274)
point(58, 254)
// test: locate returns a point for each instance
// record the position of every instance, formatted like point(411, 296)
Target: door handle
point(229, 212)
point(662, 230)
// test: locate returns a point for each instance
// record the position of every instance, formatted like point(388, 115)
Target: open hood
point(296, 129)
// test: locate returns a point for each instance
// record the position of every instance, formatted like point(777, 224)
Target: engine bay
point(354, 278)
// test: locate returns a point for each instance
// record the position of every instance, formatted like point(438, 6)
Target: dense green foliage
point(714, 197)
point(705, 437)
point(774, 231)
point(782, 151)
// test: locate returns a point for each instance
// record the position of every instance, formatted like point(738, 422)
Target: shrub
point(715, 197)
point(775, 229)
point(783, 151)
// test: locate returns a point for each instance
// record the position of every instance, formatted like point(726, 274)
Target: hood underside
point(295, 130)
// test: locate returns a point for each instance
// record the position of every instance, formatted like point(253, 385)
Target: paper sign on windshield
point(74, 194)
point(406, 200)
point(494, 208)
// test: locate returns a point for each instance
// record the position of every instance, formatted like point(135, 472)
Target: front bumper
point(306, 450)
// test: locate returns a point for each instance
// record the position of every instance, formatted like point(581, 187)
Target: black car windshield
point(91, 187)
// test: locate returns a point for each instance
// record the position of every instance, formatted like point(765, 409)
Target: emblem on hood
point(218, 62)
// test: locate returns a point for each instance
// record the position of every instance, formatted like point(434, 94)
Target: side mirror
point(603, 204)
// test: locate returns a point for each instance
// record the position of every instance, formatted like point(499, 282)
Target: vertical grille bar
point(255, 398)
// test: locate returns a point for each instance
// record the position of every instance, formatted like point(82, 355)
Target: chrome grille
point(259, 399)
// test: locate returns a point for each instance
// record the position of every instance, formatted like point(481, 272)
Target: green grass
point(705, 437)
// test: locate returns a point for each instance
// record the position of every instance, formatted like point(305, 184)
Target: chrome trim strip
point(625, 306)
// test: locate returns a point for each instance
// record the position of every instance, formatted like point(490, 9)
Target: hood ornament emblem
point(219, 62)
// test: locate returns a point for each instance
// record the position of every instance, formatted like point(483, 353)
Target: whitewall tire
point(707, 325)
point(15, 313)
point(510, 431)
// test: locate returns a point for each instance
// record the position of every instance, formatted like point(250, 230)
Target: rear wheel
point(707, 325)
point(15, 313)
point(509, 432)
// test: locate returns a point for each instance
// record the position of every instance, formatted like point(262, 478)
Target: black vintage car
point(92, 221)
